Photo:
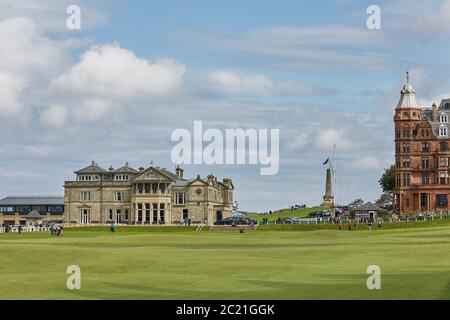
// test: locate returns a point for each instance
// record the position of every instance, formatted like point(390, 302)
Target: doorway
point(219, 216)
point(84, 216)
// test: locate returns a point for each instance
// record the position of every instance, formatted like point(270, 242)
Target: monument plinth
point(328, 198)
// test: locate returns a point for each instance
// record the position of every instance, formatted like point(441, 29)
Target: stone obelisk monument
point(328, 198)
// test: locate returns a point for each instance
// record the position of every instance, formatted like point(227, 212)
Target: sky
point(115, 90)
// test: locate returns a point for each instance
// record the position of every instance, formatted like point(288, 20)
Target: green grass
point(144, 263)
point(299, 213)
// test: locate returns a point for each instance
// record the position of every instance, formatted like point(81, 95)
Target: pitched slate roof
point(166, 172)
point(34, 214)
point(126, 169)
point(369, 206)
point(93, 168)
point(32, 201)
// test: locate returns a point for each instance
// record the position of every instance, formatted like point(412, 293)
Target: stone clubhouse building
point(151, 196)
point(422, 154)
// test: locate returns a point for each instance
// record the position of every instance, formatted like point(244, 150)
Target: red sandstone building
point(422, 155)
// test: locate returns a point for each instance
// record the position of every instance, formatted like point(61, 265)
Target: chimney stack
point(434, 112)
point(179, 173)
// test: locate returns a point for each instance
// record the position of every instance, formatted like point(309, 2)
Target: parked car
point(236, 221)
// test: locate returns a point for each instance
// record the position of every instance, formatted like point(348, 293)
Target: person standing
point(112, 227)
point(19, 229)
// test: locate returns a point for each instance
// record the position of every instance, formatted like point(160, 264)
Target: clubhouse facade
point(152, 196)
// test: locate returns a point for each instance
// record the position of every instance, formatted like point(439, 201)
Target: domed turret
point(407, 96)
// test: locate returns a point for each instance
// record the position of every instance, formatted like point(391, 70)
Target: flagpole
point(333, 169)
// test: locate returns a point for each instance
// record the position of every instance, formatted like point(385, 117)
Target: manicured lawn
point(144, 263)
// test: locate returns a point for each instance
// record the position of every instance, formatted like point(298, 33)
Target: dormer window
point(121, 177)
point(443, 118)
point(442, 131)
point(85, 177)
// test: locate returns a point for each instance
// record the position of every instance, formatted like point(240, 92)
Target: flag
point(326, 161)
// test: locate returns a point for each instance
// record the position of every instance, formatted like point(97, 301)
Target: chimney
point(111, 168)
point(227, 182)
point(434, 112)
point(179, 172)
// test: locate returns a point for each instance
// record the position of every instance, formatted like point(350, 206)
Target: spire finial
point(407, 76)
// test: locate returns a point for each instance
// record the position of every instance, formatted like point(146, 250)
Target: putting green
point(144, 264)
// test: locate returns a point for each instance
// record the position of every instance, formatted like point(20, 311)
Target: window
point(155, 213)
point(118, 216)
point(406, 179)
point(397, 147)
point(121, 177)
point(88, 178)
point(110, 215)
point(441, 200)
point(423, 199)
point(6, 209)
point(443, 118)
point(139, 212)
point(442, 131)
point(118, 196)
point(180, 198)
point(425, 146)
point(443, 162)
point(85, 196)
point(406, 162)
point(126, 214)
point(397, 133)
point(397, 162)
point(161, 211)
point(425, 178)
point(442, 177)
point(443, 146)
point(406, 133)
point(406, 147)
point(425, 163)
point(147, 212)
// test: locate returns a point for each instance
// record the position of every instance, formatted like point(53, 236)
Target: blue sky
point(137, 70)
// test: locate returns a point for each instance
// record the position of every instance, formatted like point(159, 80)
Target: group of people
point(56, 230)
point(354, 225)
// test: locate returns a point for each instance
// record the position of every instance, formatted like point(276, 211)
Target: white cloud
point(327, 138)
point(25, 49)
point(235, 83)
point(367, 162)
point(54, 116)
point(239, 83)
point(10, 89)
point(300, 141)
point(332, 46)
point(112, 72)
point(25, 55)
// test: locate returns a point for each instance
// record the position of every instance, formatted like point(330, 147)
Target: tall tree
point(387, 180)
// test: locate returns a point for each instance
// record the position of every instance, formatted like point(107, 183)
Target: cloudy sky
point(115, 90)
